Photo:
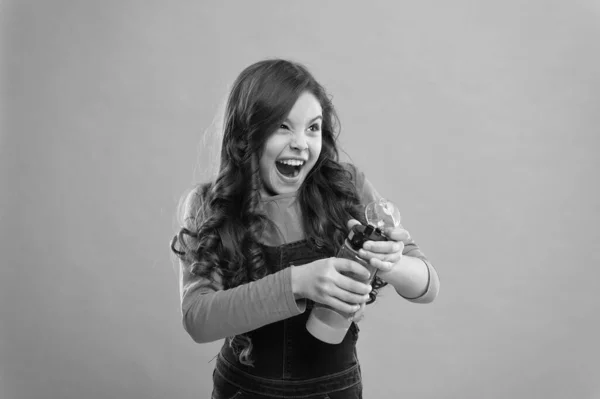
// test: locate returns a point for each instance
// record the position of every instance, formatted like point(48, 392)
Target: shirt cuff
point(295, 306)
point(431, 288)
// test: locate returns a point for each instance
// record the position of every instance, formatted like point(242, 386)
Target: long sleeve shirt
point(211, 313)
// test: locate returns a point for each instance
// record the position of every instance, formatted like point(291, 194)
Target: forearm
point(414, 279)
point(215, 315)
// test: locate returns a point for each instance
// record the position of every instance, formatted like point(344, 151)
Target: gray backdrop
point(479, 119)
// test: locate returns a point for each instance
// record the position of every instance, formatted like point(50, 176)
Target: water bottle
point(326, 323)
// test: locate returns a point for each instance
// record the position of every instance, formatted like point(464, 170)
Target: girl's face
point(293, 149)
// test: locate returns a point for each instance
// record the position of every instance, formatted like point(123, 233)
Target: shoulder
point(364, 188)
point(350, 168)
point(193, 205)
point(356, 175)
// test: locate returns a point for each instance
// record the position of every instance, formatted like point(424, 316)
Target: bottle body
point(349, 253)
point(326, 323)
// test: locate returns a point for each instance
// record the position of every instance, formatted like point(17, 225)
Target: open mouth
point(289, 168)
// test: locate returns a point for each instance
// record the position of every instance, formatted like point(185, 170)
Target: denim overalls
point(289, 362)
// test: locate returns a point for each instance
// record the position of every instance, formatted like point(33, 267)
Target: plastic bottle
point(326, 323)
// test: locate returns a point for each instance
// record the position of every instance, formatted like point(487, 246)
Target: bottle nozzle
point(382, 213)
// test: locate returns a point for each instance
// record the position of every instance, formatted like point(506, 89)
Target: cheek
point(266, 157)
point(317, 147)
point(265, 168)
point(268, 172)
point(271, 149)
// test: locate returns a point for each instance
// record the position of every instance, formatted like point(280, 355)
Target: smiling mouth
point(288, 170)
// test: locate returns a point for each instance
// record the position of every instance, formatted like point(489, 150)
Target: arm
point(210, 313)
point(414, 278)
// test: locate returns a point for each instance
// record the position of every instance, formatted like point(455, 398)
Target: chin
point(281, 185)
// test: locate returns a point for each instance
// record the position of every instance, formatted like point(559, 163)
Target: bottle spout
point(382, 213)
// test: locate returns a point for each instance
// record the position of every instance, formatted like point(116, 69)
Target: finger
point(381, 265)
point(349, 296)
point(346, 308)
point(383, 247)
point(359, 317)
point(366, 255)
point(397, 234)
point(350, 284)
point(349, 267)
point(360, 313)
point(393, 257)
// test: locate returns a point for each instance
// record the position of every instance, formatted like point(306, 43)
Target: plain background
point(479, 119)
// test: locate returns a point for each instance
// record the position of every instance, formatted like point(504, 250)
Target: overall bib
point(288, 361)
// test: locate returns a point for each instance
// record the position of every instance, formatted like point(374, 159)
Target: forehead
point(307, 107)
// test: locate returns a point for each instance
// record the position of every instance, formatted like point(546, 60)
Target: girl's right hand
point(322, 281)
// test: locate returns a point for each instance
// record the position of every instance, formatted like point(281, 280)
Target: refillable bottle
point(326, 323)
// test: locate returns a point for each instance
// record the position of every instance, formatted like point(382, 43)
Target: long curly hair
point(227, 225)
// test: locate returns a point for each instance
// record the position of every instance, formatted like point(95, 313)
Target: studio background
point(479, 119)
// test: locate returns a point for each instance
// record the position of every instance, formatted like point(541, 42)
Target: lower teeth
point(295, 173)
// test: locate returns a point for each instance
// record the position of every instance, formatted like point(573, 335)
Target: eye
point(284, 126)
point(315, 128)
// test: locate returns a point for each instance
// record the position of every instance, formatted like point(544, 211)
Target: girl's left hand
point(384, 255)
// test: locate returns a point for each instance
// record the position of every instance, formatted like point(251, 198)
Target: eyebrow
point(316, 118)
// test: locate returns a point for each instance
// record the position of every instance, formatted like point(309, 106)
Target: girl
point(257, 244)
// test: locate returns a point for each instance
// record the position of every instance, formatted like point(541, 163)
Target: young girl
point(257, 247)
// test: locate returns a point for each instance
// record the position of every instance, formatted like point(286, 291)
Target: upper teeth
point(293, 162)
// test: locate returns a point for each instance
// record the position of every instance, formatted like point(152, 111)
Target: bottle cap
point(359, 234)
point(379, 214)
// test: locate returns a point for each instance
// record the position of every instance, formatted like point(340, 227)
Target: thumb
point(351, 223)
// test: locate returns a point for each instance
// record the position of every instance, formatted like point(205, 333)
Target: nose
point(299, 142)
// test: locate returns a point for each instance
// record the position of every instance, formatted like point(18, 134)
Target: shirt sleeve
point(210, 313)
point(367, 194)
